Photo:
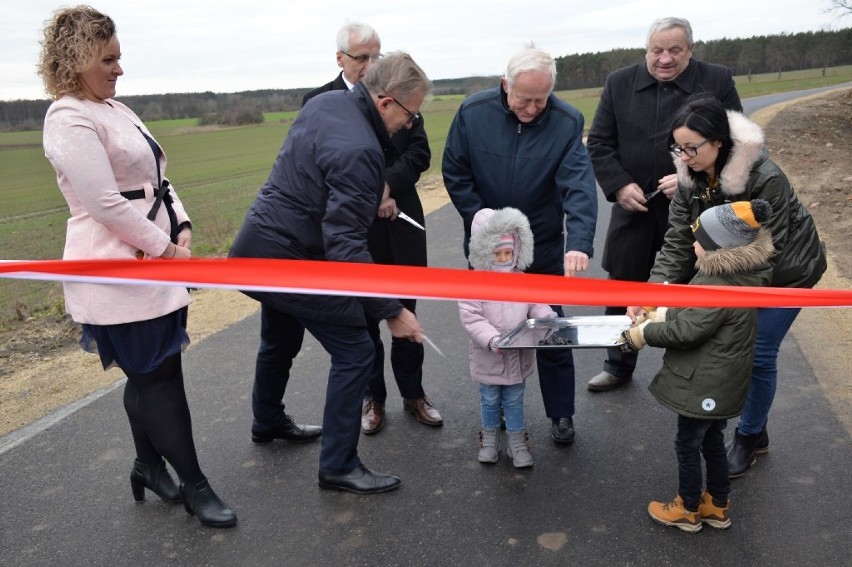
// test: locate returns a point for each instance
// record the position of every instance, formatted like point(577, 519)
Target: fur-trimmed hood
point(485, 231)
point(748, 147)
point(726, 261)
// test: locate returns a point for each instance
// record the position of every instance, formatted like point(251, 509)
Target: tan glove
point(634, 338)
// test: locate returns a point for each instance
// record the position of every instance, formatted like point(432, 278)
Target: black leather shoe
point(155, 478)
point(289, 431)
point(562, 430)
point(200, 501)
point(360, 481)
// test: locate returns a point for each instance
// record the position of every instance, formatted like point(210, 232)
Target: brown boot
point(372, 416)
point(675, 514)
point(424, 411)
point(713, 515)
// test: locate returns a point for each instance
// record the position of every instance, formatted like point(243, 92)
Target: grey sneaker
point(519, 449)
point(489, 446)
point(605, 381)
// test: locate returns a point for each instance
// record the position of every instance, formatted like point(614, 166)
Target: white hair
point(530, 59)
point(363, 33)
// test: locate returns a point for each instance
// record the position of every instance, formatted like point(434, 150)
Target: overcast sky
point(238, 45)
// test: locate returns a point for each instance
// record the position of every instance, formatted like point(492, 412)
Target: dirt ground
point(43, 369)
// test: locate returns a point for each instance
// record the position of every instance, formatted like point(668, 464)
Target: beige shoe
point(712, 515)
point(674, 514)
point(605, 381)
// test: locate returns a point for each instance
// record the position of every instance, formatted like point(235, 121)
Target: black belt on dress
point(161, 196)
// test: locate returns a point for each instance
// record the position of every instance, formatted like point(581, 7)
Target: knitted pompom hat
point(731, 225)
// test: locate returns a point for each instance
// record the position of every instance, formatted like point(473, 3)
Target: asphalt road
point(65, 496)
point(757, 102)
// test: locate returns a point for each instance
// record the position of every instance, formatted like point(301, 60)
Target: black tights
point(159, 418)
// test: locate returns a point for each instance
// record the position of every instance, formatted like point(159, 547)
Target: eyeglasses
point(413, 117)
point(363, 58)
point(690, 151)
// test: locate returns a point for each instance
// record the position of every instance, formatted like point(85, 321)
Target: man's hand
point(387, 206)
point(406, 326)
point(387, 209)
point(632, 198)
point(575, 262)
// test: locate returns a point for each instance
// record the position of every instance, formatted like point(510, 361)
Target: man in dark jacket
point(318, 204)
point(627, 144)
point(519, 146)
point(391, 240)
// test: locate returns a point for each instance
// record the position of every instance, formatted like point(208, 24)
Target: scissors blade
point(434, 346)
point(410, 220)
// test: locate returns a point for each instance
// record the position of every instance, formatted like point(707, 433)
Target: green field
point(217, 173)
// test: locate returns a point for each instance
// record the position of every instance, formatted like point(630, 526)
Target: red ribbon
point(346, 278)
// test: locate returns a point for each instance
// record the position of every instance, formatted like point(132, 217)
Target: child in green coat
point(707, 365)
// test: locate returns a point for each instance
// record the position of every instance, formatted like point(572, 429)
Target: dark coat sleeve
point(403, 174)
point(603, 145)
point(676, 260)
point(575, 180)
point(395, 241)
point(457, 171)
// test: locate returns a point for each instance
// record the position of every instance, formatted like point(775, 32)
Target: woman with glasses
point(721, 157)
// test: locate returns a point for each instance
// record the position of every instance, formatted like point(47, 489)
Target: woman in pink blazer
point(112, 174)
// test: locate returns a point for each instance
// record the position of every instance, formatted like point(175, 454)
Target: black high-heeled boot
point(762, 445)
point(200, 501)
point(155, 478)
point(741, 455)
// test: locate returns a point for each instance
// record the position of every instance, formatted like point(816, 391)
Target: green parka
point(709, 351)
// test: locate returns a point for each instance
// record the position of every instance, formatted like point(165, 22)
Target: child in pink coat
point(500, 241)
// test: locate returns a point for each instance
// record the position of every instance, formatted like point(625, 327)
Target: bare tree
point(841, 7)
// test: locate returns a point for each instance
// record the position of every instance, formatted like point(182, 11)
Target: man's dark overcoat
point(628, 144)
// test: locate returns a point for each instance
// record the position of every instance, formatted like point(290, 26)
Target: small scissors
point(410, 220)
point(652, 194)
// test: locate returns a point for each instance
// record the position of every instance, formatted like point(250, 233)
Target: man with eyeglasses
point(628, 145)
point(391, 241)
point(317, 204)
point(518, 145)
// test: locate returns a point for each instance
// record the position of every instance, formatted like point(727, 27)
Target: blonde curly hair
point(73, 40)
